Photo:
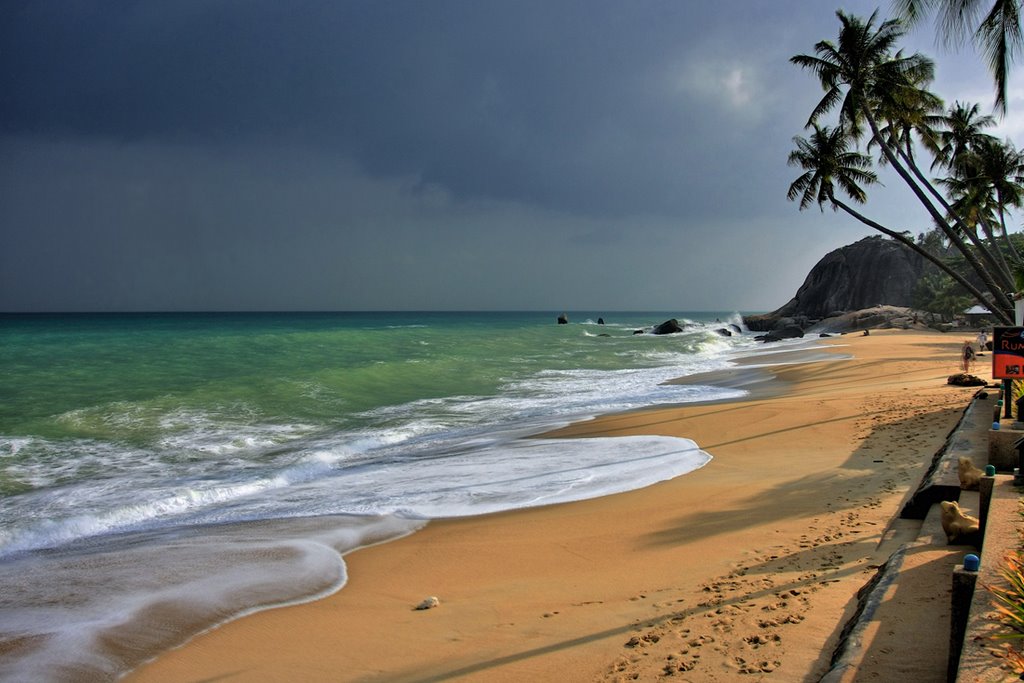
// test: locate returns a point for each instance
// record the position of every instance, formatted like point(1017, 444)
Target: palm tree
point(861, 71)
point(827, 160)
point(872, 85)
point(1001, 168)
point(987, 180)
point(971, 156)
point(998, 34)
point(959, 131)
point(828, 163)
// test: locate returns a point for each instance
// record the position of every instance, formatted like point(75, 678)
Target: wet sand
point(747, 566)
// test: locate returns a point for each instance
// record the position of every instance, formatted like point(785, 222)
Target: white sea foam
point(109, 606)
point(524, 473)
point(12, 446)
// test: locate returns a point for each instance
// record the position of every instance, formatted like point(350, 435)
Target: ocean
point(163, 473)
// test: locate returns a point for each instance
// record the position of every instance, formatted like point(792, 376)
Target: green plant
point(1009, 603)
point(1010, 598)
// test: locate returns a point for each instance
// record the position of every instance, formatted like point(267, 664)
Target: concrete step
point(970, 438)
point(1002, 536)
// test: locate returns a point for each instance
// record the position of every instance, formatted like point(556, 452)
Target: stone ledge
point(1002, 535)
point(969, 438)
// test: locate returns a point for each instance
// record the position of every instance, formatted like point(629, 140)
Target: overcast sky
point(429, 154)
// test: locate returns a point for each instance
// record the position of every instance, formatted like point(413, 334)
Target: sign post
point(1008, 353)
point(1008, 360)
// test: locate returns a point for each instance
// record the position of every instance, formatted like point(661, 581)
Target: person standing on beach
point(967, 356)
point(982, 341)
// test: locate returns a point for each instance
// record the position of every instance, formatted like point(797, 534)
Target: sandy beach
point(744, 569)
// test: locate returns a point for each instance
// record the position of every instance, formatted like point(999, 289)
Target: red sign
point(1008, 353)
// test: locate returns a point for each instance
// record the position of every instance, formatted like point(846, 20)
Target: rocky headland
point(865, 285)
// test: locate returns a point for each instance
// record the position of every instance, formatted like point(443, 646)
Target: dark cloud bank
point(404, 155)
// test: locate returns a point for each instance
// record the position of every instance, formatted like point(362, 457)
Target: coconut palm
point(871, 85)
point(861, 70)
point(995, 32)
point(959, 131)
point(828, 164)
point(1001, 170)
point(986, 182)
point(954, 139)
point(827, 161)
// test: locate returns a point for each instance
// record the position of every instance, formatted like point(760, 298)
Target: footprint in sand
point(759, 640)
point(763, 666)
point(641, 641)
point(775, 606)
point(724, 625)
point(701, 640)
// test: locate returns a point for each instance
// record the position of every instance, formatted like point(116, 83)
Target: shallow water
point(160, 474)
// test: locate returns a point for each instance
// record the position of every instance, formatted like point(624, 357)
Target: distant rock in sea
point(668, 327)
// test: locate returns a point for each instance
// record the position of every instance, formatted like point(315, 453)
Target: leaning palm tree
point(828, 163)
point(1002, 169)
point(997, 32)
point(868, 83)
point(965, 150)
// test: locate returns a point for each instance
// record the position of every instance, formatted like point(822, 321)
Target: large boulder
point(876, 317)
point(865, 274)
point(668, 327)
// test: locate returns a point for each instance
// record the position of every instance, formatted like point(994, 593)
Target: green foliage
point(1010, 600)
point(1009, 604)
point(938, 293)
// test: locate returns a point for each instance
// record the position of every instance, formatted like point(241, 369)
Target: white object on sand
point(429, 603)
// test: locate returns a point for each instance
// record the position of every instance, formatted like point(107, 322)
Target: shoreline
point(691, 573)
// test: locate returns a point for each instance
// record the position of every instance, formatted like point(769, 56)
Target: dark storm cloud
point(257, 154)
point(576, 105)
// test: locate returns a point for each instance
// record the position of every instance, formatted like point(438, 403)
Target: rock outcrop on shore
point(870, 274)
point(866, 285)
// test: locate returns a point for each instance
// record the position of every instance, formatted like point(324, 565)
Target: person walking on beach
point(982, 341)
point(967, 356)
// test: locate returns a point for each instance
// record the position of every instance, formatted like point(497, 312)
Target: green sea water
point(123, 436)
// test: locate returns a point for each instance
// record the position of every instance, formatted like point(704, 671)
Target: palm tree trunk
point(996, 263)
point(1006, 236)
point(991, 235)
point(1005, 316)
point(1002, 300)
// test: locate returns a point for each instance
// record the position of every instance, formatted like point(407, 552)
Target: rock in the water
point(563, 319)
point(723, 332)
point(787, 332)
point(668, 327)
point(429, 603)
